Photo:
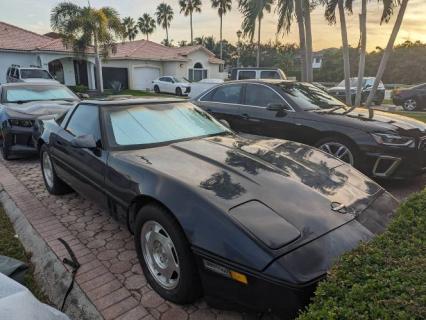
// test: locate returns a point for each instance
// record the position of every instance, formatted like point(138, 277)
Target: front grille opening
point(384, 165)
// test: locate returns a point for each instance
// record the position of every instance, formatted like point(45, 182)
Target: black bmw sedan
point(385, 146)
point(250, 224)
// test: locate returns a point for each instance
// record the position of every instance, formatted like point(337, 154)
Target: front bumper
point(18, 140)
point(262, 294)
point(394, 162)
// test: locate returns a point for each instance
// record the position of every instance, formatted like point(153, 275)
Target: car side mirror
point(84, 141)
point(276, 107)
point(83, 95)
point(225, 123)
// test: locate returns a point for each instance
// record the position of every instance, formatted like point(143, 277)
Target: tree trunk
point(302, 39)
point(363, 49)
point(308, 31)
point(99, 79)
point(258, 44)
point(167, 36)
point(192, 32)
point(221, 43)
point(386, 56)
point(345, 49)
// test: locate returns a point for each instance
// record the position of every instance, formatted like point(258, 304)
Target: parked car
point(248, 223)
point(201, 86)
point(412, 98)
point(28, 74)
point(20, 104)
point(386, 146)
point(340, 93)
point(173, 85)
point(256, 73)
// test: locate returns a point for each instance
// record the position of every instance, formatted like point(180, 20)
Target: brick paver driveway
point(110, 273)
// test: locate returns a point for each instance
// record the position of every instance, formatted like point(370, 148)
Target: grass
point(421, 116)
point(384, 279)
point(10, 246)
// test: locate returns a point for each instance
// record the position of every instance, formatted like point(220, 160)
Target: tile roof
point(15, 38)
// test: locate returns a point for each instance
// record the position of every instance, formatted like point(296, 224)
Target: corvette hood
point(299, 183)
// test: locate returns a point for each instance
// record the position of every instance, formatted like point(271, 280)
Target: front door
point(80, 70)
point(83, 169)
point(257, 119)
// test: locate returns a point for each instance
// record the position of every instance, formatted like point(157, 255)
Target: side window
point(269, 74)
point(246, 74)
point(227, 94)
point(261, 96)
point(162, 79)
point(85, 120)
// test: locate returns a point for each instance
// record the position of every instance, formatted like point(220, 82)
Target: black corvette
point(385, 146)
point(249, 224)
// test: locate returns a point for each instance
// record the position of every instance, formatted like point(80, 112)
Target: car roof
point(131, 101)
point(255, 68)
point(262, 81)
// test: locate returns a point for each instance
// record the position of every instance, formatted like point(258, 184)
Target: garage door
point(112, 75)
point(143, 76)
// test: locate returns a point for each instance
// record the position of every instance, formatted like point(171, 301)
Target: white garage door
point(143, 76)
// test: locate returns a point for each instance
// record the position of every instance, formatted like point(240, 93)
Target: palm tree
point(330, 14)
point(131, 28)
point(387, 12)
point(287, 10)
point(86, 27)
point(362, 53)
point(253, 11)
point(146, 25)
point(187, 7)
point(164, 15)
point(307, 7)
point(223, 6)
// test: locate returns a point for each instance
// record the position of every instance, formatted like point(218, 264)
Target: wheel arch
point(332, 134)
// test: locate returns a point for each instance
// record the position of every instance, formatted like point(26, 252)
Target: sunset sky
point(34, 15)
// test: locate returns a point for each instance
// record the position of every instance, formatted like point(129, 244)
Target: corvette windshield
point(152, 124)
point(22, 94)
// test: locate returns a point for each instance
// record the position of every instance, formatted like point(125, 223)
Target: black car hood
point(299, 183)
point(32, 110)
point(381, 121)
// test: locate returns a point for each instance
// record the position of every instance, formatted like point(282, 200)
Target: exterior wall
point(201, 57)
point(9, 58)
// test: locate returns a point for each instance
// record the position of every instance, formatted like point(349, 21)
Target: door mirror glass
point(84, 141)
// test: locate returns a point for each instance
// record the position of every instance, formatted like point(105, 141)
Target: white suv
point(171, 85)
point(28, 74)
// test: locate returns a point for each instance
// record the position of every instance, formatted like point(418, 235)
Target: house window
point(197, 73)
point(221, 68)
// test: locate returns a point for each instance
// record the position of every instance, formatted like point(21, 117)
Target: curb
point(50, 272)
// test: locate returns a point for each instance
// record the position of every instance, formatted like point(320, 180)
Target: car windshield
point(22, 94)
point(139, 125)
point(35, 74)
point(308, 97)
point(179, 80)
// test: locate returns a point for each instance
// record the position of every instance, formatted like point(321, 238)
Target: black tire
point(178, 91)
point(188, 288)
point(156, 89)
point(410, 104)
point(58, 186)
point(345, 142)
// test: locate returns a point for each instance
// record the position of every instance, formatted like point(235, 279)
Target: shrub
point(79, 88)
point(384, 279)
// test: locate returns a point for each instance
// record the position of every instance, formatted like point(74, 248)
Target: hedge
point(383, 279)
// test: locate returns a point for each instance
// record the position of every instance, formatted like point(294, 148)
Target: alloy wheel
point(338, 150)
point(410, 105)
point(160, 255)
point(47, 169)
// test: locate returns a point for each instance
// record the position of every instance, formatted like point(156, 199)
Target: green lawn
point(12, 247)
point(416, 115)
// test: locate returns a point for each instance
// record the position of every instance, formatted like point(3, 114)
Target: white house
point(135, 64)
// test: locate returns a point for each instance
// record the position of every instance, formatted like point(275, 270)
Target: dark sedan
point(413, 98)
point(252, 225)
point(20, 105)
point(385, 146)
